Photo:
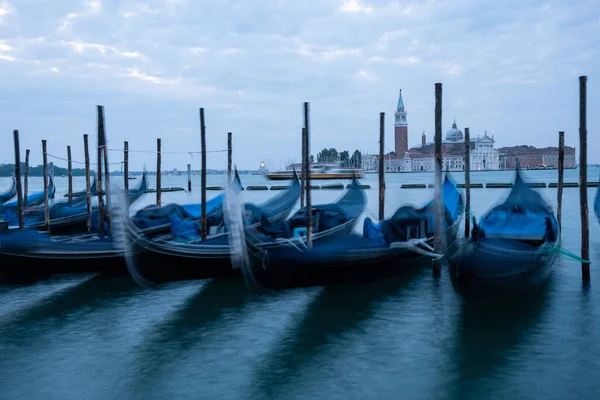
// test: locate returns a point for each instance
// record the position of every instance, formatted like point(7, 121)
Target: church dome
point(454, 134)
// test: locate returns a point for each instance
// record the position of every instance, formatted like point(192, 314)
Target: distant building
point(421, 158)
point(532, 157)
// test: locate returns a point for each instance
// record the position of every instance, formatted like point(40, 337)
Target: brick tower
point(400, 128)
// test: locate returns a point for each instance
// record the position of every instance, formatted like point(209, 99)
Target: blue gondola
point(10, 193)
point(511, 250)
point(397, 245)
point(166, 245)
point(33, 199)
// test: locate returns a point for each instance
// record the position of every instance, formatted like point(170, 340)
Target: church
point(421, 157)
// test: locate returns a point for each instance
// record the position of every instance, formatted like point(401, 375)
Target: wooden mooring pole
point(303, 170)
point(189, 176)
point(203, 175)
point(126, 169)
point(229, 156)
point(102, 127)
point(88, 195)
point(561, 174)
point(18, 180)
point(69, 175)
point(467, 183)
point(158, 173)
point(99, 180)
point(583, 198)
point(438, 204)
point(381, 168)
point(45, 161)
point(26, 179)
point(307, 174)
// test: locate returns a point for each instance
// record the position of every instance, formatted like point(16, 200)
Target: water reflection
point(489, 338)
point(335, 312)
point(192, 324)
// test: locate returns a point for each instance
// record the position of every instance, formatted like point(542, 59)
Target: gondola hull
point(490, 268)
point(153, 262)
point(30, 264)
point(339, 260)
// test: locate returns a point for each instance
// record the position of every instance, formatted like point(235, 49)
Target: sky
point(507, 67)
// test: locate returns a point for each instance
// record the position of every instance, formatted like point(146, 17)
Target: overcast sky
point(510, 67)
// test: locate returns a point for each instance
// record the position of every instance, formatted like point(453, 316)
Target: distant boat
point(320, 172)
point(132, 177)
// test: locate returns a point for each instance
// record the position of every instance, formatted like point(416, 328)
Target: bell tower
point(400, 128)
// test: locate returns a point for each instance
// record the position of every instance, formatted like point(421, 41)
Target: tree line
point(9, 170)
point(342, 157)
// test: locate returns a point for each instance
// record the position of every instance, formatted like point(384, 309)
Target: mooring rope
point(567, 253)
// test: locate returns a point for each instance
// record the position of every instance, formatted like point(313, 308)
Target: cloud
point(354, 6)
point(252, 64)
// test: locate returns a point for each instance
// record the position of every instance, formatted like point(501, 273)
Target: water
point(412, 337)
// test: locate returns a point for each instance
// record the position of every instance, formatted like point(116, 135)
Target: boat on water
point(10, 193)
point(395, 246)
point(33, 199)
point(326, 171)
point(511, 250)
point(166, 245)
point(69, 219)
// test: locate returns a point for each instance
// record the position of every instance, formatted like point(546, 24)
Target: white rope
point(290, 243)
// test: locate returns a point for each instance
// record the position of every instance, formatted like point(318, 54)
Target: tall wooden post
point(69, 175)
point(307, 174)
point(158, 173)
point(303, 169)
point(26, 179)
point(99, 179)
point(561, 174)
point(102, 129)
point(126, 169)
point(381, 168)
point(18, 179)
point(189, 176)
point(438, 203)
point(229, 156)
point(467, 183)
point(46, 210)
point(203, 174)
point(88, 195)
point(583, 199)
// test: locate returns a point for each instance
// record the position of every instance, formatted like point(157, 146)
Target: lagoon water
point(96, 337)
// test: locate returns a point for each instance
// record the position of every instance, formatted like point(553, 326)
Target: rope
point(77, 162)
point(571, 255)
point(170, 152)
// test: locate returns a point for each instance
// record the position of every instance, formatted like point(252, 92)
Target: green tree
point(344, 158)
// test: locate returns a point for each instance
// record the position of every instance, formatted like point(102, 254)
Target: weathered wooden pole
point(583, 199)
point(18, 180)
point(438, 203)
point(88, 195)
point(467, 183)
point(307, 174)
point(561, 174)
point(229, 156)
point(203, 174)
point(69, 175)
point(189, 174)
point(102, 128)
point(46, 210)
point(303, 169)
point(381, 168)
point(99, 180)
point(158, 173)
point(26, 179)
point(126, 169)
